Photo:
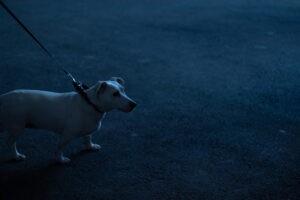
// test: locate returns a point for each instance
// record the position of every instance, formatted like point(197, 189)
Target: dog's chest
point(100, 122)
point(91, 125)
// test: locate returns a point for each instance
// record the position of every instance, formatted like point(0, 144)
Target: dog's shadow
point(32, 183)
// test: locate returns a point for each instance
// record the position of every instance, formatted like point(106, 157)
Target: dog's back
point(25, 108)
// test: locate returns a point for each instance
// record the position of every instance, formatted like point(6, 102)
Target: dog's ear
point(119, 80)
point(102, 87)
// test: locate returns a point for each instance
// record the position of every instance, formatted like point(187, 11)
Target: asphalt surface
point(217, 84)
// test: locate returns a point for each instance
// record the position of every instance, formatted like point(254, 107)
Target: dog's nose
point(132, 105)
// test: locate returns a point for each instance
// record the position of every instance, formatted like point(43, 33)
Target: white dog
point(67, 114)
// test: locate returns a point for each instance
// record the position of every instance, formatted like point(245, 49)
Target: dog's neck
point(90, 100)
point(88, 112)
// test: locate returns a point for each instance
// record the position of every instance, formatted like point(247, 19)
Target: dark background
point(217, 84)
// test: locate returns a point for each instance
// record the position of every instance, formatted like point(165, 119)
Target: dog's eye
point(116, 94)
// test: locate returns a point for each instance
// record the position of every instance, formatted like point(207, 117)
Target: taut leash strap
point(35, 39)
point(77, 85)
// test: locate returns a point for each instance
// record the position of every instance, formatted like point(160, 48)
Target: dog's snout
point(132, 105)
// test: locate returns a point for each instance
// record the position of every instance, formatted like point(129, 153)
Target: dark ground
point(218, 89)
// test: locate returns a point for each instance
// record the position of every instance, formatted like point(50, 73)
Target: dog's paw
point(94, 147)
point(20, 157)
point(64, 160)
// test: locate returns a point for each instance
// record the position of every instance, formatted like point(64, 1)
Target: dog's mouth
point(130, 106)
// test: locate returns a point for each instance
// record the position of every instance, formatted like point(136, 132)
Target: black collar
point(80, 90)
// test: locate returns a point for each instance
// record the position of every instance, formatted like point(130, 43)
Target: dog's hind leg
point(13, 134)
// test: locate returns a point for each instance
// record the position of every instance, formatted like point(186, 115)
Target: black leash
point(34, 38)
point(79, 87)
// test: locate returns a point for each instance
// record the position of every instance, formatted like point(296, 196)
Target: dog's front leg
point(64, 140)
point(87, 141)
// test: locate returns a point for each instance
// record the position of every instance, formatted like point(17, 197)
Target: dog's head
point(111, 95)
